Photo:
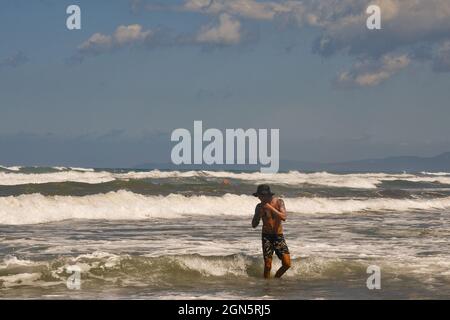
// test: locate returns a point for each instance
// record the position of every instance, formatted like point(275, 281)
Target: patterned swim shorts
point(274, 242)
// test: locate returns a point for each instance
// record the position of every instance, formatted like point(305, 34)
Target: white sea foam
point(239, 265)
point(36, 208)
point(11, 179)
point(10, 261)
point(74, 169)
point(436, 173)
point(356, 180)
point(361, 181)
point(60, 168)
point(82, 169)
point(20, 279)
point(13, 168)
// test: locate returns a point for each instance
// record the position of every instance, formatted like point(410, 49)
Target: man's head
point(263, 193)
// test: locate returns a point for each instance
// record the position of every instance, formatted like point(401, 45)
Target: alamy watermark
point(373, 22)
point(74, 280)
point(73, 21)
point(240, 147)
point(374, 280)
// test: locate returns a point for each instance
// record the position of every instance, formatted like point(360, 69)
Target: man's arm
point(256, 216)
point(281, 213)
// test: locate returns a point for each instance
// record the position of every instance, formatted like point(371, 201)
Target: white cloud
point(96, 43)
point(405, 23)
point(130, 34)
point(123, 36)
point(369, 73)
point(245, 8)
point(226, 32)
point(408, 26)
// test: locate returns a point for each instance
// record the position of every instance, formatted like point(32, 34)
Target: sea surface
point(136, 234)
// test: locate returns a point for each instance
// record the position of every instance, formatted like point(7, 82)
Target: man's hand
point(281, 213)
point(270, 207)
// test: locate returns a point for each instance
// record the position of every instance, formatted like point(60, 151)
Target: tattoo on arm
point(281, 205)
point(282, 209)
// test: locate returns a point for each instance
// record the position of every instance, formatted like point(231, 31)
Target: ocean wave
point(190, 270)
point(74, 169)
point(436, 173)
point(127, 269)
point(13, 168)
point(293, 178)
point(125, 205)
point(12, 179)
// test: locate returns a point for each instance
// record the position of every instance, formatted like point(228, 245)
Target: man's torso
point(271, 221)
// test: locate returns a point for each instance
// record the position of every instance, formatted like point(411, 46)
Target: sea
point(77, 233)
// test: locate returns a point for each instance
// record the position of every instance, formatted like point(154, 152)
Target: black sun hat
point(263, 190)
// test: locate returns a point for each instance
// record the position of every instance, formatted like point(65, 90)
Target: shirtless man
point(272, 212)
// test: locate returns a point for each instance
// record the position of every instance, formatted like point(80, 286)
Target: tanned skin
point(272, 211)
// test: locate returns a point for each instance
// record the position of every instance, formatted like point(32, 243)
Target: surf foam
point(358, 181)
point(125, 205)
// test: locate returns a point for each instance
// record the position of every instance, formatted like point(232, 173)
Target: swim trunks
point(274, 242)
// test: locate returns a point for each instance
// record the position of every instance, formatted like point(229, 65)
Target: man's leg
point(267, 267)
point(267, 248)
point(286, 264)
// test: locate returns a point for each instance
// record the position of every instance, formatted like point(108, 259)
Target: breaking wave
point(125, 205)
point(103, 267)
point(14, 168)
point(90, 176)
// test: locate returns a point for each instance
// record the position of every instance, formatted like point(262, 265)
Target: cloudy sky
point(111, 93)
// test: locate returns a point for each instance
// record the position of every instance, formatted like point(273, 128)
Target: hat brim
point(256, 194)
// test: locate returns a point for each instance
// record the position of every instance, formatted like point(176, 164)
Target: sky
point(110, 94)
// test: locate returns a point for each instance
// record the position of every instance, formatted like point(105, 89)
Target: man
point(272, 211)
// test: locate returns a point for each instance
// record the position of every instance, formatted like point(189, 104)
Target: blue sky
point(111, 93)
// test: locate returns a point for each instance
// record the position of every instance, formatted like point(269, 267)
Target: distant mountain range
point(390, 164)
